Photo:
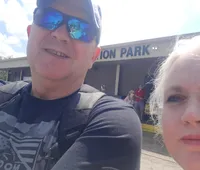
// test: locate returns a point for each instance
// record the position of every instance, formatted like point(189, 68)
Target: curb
point(152, 154)
point(149, 128)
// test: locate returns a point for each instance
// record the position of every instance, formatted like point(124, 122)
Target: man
point(62, 46)
point(139, 104)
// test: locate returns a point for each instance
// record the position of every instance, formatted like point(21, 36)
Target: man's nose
point(61, 34)
point(191, 114)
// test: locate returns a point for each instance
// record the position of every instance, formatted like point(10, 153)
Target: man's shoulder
point(13, 87)
point(112, 101)
point(10, 89)
point(113, 106)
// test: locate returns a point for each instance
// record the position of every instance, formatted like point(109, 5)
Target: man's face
point(79, 55)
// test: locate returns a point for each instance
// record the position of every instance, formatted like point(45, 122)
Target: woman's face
point(181, 112)
point(131, 95)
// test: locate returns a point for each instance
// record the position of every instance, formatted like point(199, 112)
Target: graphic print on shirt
point(23, 146)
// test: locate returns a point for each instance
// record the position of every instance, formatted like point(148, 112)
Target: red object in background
point(139, 95)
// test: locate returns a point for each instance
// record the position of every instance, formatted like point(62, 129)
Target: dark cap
point(94, 11)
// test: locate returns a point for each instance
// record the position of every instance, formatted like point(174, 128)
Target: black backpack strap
point(9, 90)
point(74, 124)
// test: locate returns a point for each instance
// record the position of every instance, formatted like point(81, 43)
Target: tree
point(6, 57)
point(3, 74)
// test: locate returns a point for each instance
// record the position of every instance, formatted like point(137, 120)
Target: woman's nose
point(191, 114)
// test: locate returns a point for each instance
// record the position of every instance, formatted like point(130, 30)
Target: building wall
point(14, 74)
point(132, 74)
point(135, 59)
point(102, 74)
point(27, 72)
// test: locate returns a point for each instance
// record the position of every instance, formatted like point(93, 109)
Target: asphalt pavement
point(154, 154)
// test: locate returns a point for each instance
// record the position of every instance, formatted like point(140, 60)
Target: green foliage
point(3, 75)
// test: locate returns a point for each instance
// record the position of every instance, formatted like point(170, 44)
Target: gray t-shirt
point(29, 128)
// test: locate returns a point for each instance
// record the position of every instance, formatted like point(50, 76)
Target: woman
point(130, 98)
point(176, 99)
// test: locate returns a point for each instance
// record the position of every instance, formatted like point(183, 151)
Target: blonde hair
point(182, 47)
point(131, 91)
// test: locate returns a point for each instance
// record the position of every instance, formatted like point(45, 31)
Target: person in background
point(176, 100)
point(130, 98)
point(103, 87)
point(139, 101)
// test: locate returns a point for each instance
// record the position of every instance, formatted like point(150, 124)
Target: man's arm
point(111, 141)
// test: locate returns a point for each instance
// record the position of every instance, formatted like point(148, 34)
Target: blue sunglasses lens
point(52, 19)
point(79, 30)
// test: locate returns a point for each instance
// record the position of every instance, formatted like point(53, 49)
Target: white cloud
point(29, 6)
point(12, 40)
point(16, 21)
point(2, 37)
point(6, 49)
point(18, 54)
point(128, 20)
point(195, 6)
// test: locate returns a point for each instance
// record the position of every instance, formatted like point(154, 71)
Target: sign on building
point(124, 53)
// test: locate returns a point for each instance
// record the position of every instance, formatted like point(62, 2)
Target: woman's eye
point(175, 98)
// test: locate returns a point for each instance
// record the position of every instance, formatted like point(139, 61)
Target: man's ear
point(96, 54)
point(28, 30)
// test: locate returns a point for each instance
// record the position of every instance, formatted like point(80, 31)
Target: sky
point(123, 21)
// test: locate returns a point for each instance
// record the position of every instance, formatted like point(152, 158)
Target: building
point(119, 68)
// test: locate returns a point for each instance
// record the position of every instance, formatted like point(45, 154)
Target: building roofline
point(152, 40)
point(158, 39)
point(13, 59)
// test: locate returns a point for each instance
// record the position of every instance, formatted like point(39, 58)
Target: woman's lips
point(191, 139)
